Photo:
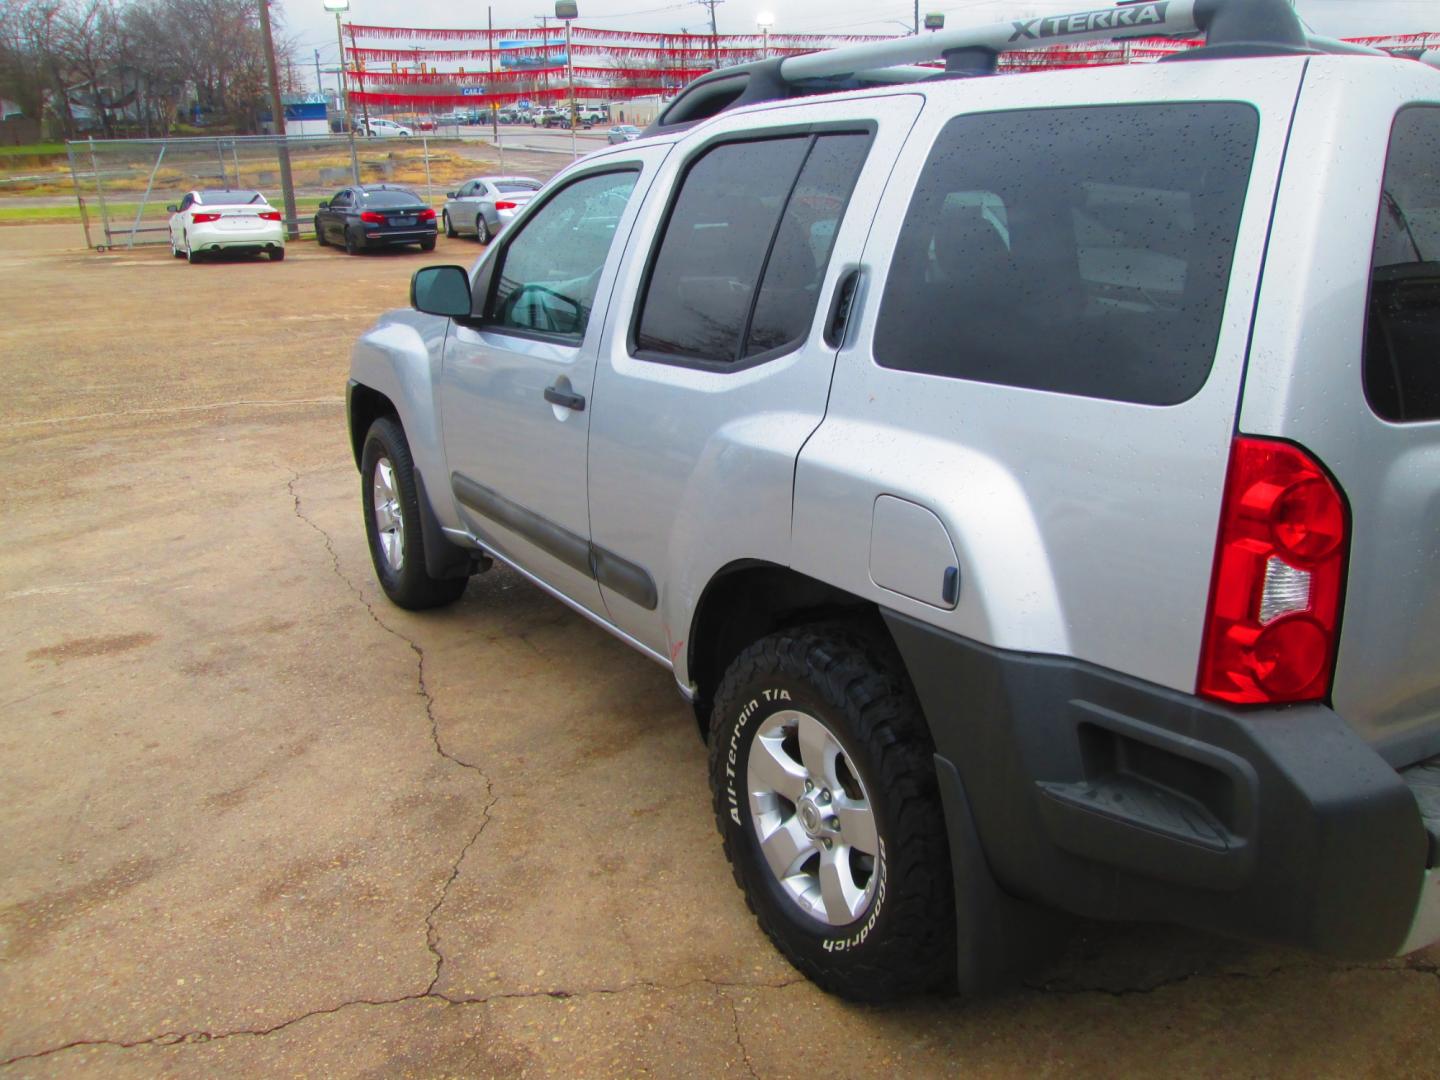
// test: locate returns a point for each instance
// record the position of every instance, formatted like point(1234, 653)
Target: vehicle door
point(462, 206)
point(332, 218)
point(179, 220)
point(715, 368)
point(516, 380)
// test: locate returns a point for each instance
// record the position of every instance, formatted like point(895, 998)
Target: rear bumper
point(1117, 799)
point(400, 236)
point(209, 238)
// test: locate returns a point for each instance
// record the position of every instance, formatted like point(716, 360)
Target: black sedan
point(375, 215)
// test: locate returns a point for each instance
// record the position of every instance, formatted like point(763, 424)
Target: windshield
point(516, 185)
point(225, 197)
point(391, 198)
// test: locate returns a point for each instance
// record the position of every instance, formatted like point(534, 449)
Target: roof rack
point(1231, 28)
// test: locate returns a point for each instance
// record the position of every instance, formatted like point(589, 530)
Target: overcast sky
point(315, 28)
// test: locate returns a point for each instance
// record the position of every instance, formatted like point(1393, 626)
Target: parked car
point(380, 128)
point(483, 206)
point(225, 219)
point(1029, 479)
point(375, 215)
point(622, 133)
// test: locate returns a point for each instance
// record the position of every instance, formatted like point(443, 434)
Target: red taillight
point(505, 205)
point(427, 215)
point(370, 217)
point(1270, 633)
point(201, 219)
point(269, 215)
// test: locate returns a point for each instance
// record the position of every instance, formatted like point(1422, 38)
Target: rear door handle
point(565, 399)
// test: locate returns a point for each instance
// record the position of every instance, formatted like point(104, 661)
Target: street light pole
point(765, 20)
point(339, 6)
point(568, 10)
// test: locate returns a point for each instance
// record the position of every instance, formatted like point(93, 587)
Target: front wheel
point(449, 225)
point(391, 505)
point(826, 798)
point(320, 240)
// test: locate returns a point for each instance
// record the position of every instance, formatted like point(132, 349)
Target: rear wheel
point(427, 245)
point(825, 795)
point(276, 254)
point(482, 229)
point(351, 247)
point(391, 505)
point(191, 255)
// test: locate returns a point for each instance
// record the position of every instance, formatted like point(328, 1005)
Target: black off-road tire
point(903, 941)
point(411, 586)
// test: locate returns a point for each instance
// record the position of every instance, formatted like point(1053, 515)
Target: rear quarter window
point(1402, 328)
point(1084, 251)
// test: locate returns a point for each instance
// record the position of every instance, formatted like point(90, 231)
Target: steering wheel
point(543, 315)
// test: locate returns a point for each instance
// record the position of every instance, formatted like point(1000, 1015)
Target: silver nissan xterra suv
point(1033, 480)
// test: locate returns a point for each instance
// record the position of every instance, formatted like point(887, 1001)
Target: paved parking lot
point(257, 822)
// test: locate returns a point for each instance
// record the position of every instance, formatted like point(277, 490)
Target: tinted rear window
point(743, 254)
point(391, 198)
point(1402, 332)
point(1084, 251)
point(516, 185)
point(231, 198)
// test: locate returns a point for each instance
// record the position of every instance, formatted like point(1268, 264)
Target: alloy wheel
point(812, 817)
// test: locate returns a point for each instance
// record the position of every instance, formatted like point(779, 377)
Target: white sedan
point(225, 220)
point(388, 128)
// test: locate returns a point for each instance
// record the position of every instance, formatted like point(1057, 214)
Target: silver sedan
point(481, 207)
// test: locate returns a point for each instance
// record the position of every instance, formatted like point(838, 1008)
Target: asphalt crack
point(740, 1038)
point(182, 1038)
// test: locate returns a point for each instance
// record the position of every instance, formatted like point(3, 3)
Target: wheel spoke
point(786, 848)
point(857, 825)
point(837, 886)
point(818, 749)
point(773, 770)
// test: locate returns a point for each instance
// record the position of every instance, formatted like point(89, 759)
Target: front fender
point(400, 357)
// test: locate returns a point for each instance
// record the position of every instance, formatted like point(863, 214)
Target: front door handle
point(565, 399)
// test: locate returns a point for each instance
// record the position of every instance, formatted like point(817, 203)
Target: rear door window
point(743, 253)
point(1402, 331)
point(1083, 251)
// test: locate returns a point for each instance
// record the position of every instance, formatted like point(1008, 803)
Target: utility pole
point(490, 48)
point(319, 86)
point(917, 18)
point(277, 110)
point(714, 32)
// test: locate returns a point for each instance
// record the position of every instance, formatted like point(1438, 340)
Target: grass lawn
point(121, 214)
point(32, 150)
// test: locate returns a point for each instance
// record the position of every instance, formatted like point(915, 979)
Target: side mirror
point(324, 204)
point(441, 290)
point(172, 209)
point(452, 194)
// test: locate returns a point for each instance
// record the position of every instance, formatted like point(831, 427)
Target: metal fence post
point(79, 197)
point(425, 150)
point(100, 194)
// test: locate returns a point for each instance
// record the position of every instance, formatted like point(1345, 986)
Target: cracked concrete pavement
point(257, 821)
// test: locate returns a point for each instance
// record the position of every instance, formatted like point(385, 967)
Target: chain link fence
point(124, 186)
